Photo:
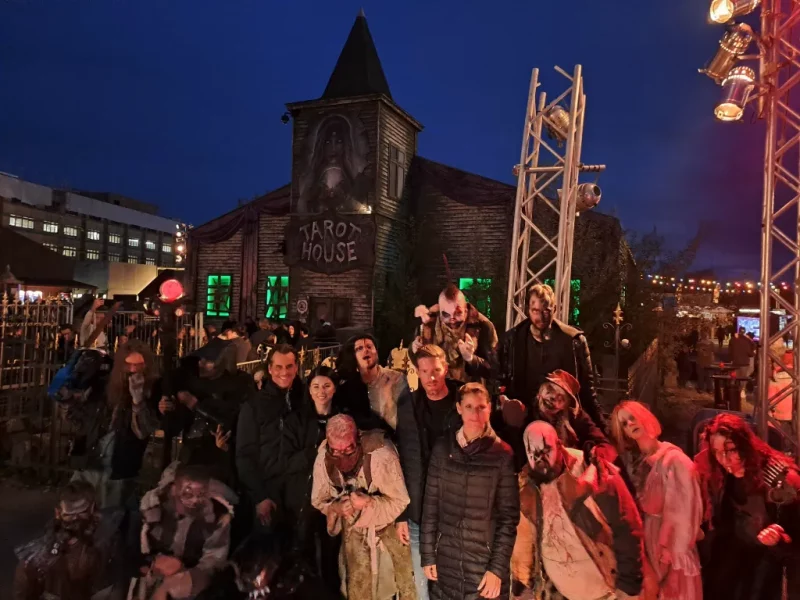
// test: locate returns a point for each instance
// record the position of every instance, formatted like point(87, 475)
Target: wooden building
point(358, 235)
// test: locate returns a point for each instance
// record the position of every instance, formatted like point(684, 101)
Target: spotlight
point(179, 248)
point(732, 45)
point(736, 91)
point(557, 123)
point(588, 197)
point(722, 11)
point(179, 258)
point(285, 118)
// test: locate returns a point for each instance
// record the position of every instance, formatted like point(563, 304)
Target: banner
point(331, 243)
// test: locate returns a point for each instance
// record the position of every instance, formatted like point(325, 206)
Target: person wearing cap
point(558, 403)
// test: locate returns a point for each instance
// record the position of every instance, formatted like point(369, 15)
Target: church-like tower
point(352, 150)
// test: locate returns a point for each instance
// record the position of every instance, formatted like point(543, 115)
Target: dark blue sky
point(178, 102)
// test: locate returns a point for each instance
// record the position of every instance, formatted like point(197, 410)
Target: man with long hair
point(752, 515)
point(370, 393)
point(118, 429)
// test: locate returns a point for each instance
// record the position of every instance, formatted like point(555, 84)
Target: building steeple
point(358, 71)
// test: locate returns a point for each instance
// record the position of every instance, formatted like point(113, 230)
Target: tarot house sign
point(331, 243)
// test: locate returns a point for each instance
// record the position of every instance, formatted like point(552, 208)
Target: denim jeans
point(419, 577)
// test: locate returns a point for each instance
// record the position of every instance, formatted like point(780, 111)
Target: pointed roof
point(358, 71)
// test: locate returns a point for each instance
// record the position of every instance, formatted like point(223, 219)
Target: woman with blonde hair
point(668, 493)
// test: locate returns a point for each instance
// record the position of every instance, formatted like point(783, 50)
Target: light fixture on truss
point(736, 89)
point(732, 46)
point(722, 11)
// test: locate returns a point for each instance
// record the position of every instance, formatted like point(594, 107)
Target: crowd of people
point(343, 483)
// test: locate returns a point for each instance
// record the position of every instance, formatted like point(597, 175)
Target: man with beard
point(369, 392)
point(185, 533)
point(579, 535)
point(67, 561)
point(467, 337)
point(358, 485)
point(258, 434)
point(210, 391)
point(531, 351)
point(422, 418)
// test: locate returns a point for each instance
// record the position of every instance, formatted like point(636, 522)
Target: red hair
point(642, 414)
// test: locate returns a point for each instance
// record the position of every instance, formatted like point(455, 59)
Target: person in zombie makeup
point(67, 561)
point(369, 392)
point(467, 337)
point(579, 535)
point(185, 533)
point(358, 485)
point(752, 515)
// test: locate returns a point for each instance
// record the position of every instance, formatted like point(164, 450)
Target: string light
point(710, 285)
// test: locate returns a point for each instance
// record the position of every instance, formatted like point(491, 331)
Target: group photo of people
point(499, 476)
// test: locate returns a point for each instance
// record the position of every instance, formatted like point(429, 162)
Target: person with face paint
point(369, 392)
point(471, 506)
point(258, 433)
point(529, 352)
point(68, 560)
point(185, 533)
point(579, 535)
point(467, 337)
point(666, 486)
point(358, 485)
point(303, 433)
point(752, 515)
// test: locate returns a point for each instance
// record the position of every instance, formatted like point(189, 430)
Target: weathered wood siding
point(224, 258)
point(270, 255)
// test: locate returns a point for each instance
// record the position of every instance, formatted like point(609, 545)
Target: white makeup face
point(541, 446)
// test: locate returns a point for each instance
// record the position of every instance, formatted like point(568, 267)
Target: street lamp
point(618, 327)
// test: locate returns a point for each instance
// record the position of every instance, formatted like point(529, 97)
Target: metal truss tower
point(779, 59)
point(547, 163)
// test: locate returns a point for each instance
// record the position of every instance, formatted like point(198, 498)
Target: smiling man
point(259, 431)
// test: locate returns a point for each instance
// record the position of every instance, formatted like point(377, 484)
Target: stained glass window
point(277, 301)
point(218, 298)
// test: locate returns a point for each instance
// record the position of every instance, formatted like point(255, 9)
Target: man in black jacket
point(535, 348)
point(259, 436)
point(422, 418)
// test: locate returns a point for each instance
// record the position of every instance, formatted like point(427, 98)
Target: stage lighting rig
point(736, 92)
point(557, 123)
point(732, 47)
point(722, 11)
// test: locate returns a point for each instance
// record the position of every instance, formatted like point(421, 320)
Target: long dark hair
point(117, 391)
point(321, 371)
point(346, 363)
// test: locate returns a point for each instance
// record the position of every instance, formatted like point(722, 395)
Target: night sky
point(178, 102)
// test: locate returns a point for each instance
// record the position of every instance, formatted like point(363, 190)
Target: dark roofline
point(265, 199)
point(295, 107)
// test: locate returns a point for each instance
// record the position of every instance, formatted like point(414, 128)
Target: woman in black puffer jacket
point(471, 509)
point(303, 432)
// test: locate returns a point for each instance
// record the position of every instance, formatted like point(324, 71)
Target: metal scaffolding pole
point(544, 166)
point(780, 234)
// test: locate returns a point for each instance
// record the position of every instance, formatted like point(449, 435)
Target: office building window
point(69, 251)
point(113, 257)
point(21, 222)
point(477, 290)
point(150, 245)
point(277, 296)
point(218, 297)
point(71, 231)
point(52, 247)
point(92, 255)
point(114, 238)
point(93, 234)
point(397, 172)
point(133, 260)
point(149, 261)
point(133, 242)
point(166, 248)
point(50, 227)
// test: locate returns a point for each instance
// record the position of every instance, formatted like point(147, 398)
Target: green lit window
point(477, 291)
point(277, 296)
point(218, 299)
point(575, 312)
